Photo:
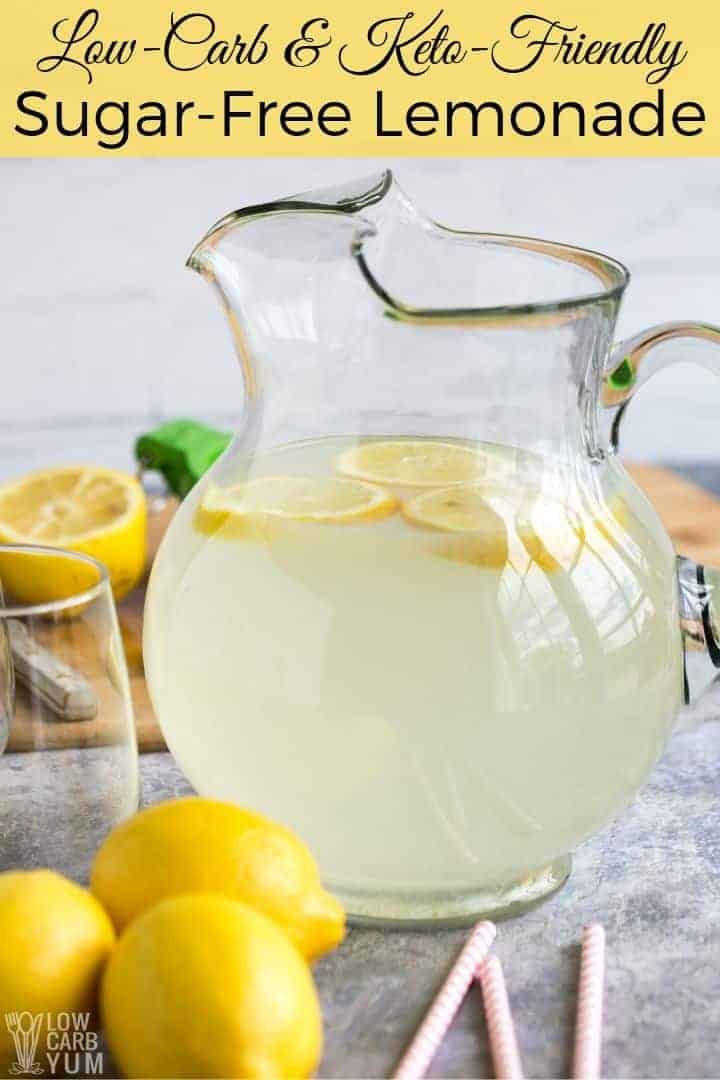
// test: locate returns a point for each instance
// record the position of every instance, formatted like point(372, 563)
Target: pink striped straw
point(416, 1059)
point(501, 1030)
point(588, 1024)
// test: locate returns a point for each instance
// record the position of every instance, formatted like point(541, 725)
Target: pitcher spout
point(351, 198)
point(288, 283)
point(351, 302)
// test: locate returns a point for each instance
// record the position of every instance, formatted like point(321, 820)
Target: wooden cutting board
point(690, 514)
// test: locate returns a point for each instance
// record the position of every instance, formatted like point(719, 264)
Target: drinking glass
point(69, 771)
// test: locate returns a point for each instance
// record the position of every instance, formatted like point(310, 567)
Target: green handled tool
point(182, 451)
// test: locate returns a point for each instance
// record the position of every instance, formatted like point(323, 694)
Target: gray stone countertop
point(652, 878)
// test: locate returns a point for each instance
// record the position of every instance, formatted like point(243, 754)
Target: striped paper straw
point(432, 1030)
point(588, 1025)
point(501, 1030)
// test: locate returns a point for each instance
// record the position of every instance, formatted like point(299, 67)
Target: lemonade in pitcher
point(394, 646)
point(418, 611)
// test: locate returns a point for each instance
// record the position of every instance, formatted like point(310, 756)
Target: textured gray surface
point(653, 879)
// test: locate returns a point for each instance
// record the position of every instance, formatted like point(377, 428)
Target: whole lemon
point(55, 940)
point(203, 986)
point(201, 845)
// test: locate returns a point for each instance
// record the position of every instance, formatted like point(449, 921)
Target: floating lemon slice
point(98, 512)
point(466, 511)
point(454, 509)
point(552, 534)
point(492, 528)
point(415, 463)
point(327, 499)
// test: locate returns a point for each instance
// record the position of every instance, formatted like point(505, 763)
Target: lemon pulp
point(94, 511)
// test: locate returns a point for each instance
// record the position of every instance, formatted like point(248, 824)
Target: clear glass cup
point(69, 770)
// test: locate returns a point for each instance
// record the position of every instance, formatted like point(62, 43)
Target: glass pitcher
point(418, 611)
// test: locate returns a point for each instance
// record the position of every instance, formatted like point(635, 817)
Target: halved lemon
point(323, 499)
point(95, 511)
point(415, 463)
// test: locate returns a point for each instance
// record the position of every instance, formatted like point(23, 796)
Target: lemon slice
point(551, 533)
point(326, 499)
point(415, 463)
point(493, 527)
point(95, 511)
point(466, 511)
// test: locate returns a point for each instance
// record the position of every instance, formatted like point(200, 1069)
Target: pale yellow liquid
point(430, 725)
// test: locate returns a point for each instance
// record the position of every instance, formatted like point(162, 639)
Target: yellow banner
point(321, 77)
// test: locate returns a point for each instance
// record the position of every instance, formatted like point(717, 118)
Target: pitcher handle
point(632, 363)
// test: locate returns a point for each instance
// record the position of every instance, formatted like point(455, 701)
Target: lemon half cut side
point(94, 511)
